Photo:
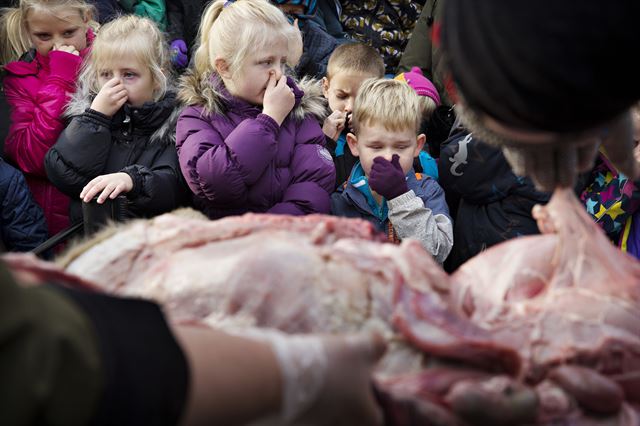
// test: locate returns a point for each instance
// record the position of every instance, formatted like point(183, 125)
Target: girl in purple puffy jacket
point(249, 140)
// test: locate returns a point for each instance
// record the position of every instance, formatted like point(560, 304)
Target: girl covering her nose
point(38, 86)
point(250, 139)
point(122, 134)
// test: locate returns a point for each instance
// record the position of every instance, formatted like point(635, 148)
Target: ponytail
point(14, 40)
point(202, 60)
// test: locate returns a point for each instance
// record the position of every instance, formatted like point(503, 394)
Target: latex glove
point(326, 380)
point(387, 178)
point(179, 58)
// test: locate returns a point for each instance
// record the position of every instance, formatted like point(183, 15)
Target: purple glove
point(179, 58)
point(387, 178)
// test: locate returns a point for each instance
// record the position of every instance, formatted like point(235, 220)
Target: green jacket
point(156, 10)
point(423, 50)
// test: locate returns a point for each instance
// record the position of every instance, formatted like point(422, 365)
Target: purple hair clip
point(228, 2)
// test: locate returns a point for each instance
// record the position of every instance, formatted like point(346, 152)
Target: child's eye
point(44, 37)
point(129, 75)
point(267, 62)
point(341, 96)
point(69, 33)
point(105, 74)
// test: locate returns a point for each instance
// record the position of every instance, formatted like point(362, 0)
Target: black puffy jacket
point(137, 141)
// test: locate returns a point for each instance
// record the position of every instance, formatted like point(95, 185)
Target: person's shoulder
point(26, 65)
point(424, 185)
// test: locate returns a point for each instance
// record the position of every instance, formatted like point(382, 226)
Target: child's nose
point(348, 106)
point(277, 72)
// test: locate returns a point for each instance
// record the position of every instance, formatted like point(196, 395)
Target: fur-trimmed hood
point(158, 118)
point(209, 93)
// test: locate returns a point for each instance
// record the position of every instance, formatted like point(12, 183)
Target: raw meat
point(540, 329)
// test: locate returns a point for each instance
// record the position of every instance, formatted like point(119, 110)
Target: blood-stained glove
point(387, 178)
point(179, 58)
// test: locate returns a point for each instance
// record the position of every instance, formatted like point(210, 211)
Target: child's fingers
point(272, 81)
point(91, 190)
point(106, 192)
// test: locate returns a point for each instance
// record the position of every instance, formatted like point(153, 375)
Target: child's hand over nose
point(387, 178)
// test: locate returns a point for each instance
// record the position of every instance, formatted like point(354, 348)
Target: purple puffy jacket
point(236, 159)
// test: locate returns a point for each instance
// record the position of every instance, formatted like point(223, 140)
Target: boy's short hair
point(390, 103)
point(355, 57)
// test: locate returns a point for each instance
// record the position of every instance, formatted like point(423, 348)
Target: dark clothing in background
point(423, 51)
point(385, 25)
point(560, 68)
point(22, 224)
point(183, 17)
point(494, 204)
point(71, 357)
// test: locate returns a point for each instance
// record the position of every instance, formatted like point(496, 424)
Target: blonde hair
point(128, 35)
point(357, 58)
point(232, 30)
point(14, 34)
point(14, 41)
point(427, 105)
point(391, 103)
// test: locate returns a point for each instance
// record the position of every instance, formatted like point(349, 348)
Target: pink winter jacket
point(37, 88)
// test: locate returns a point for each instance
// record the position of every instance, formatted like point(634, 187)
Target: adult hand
point(179, 58)
point(66, 48)
point(110, 98)
point(387, 178)
point(347, 396)
point(110, 186)
point(278, 99)
point(334, 124)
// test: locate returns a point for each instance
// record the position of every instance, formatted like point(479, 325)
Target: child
point(37, 88)
point(429, 101)
point(382, 187)
point(249, 141)
point(121, 137)
point(349, 65)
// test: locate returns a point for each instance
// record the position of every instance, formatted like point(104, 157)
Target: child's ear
point(325, 87)
point(352, 140)
point(421, 139)
point(222, 68)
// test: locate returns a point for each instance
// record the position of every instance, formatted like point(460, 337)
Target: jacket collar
point(242, 107)
point(31, 61)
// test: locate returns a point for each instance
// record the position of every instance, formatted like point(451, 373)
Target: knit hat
point(562, 67)
point(421, 84)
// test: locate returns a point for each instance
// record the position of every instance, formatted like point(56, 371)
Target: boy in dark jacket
point(383, 187)
point(495, 204)
point(349, 65)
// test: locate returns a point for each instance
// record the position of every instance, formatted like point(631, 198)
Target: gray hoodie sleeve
point(412, 219)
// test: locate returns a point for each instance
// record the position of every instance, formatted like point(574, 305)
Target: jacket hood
point(210, 93)
point(161, 115)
